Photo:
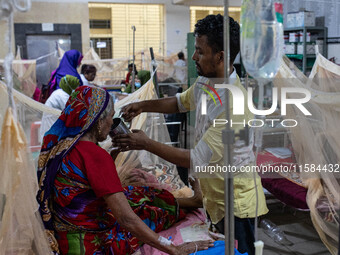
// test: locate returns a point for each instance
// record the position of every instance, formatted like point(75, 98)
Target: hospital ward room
point(177, 127)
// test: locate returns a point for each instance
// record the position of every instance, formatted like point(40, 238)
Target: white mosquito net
point(141, 167)
point(24, 75)
point(113, 71)
point(316, 142)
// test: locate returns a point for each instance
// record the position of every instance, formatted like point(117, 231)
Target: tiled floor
point(298, 229)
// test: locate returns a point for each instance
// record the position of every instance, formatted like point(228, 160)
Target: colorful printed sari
point(107, 237)
point(81, 222)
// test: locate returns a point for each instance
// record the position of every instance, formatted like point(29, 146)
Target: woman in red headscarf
point(84, 208)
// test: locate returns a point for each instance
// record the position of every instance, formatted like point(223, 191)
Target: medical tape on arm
point(163, 241)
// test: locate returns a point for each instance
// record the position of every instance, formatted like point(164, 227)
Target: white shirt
point(180, 71)
point(57, 100)
point(84, 80)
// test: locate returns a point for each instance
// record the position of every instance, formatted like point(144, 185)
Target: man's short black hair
point(88, 69)
point(212, 27)
point(180, 55)
point(131, 65)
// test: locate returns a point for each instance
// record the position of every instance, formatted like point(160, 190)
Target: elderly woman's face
point(106, 125)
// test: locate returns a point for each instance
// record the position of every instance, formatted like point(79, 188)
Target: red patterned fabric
point(74, 175)
point(83, 222)
point(157, 208)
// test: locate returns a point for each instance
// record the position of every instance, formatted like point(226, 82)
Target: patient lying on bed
point(161, 177)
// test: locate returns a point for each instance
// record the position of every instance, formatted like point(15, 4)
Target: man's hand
point(131, 110)
point(114, 153)
point(196, 201)
point(197, 198)
point(137, 140)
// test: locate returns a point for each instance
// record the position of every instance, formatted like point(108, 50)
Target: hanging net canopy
point(21, 228)
point(316, 142)
point(141, 167)
point(113, 71)
point(29, 114)
point(24, 75)
point(109, 71)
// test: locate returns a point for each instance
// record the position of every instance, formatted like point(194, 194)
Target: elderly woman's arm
point(131, 222)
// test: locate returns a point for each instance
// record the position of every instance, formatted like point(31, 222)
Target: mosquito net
point(316, 142)
point(24, 75)
point(113, 71)
point(21, 228)
point(141, 167)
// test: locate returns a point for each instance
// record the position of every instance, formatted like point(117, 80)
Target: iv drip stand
point(133, 59)
point(228, 141)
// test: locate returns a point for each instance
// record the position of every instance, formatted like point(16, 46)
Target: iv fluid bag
point(261, 38)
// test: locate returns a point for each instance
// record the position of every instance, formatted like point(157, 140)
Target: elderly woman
point(84, 208)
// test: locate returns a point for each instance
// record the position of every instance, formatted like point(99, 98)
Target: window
point(147, 18)
point(98, 23)
point(200, 12)
point(103, 47)
point(39, 45)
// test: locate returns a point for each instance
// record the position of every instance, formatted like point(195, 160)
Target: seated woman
point(131, 67)
point(141, 78)
point(129, 85)
point(84, 208)
point(88, 74)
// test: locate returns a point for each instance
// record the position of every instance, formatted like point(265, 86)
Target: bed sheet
point(287, 187)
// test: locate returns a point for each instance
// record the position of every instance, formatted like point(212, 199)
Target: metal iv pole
point(133, 59)
point(228, 141)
